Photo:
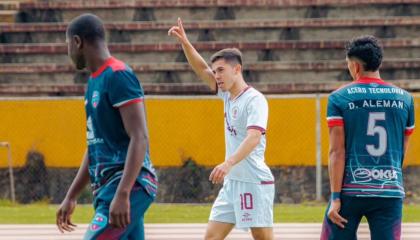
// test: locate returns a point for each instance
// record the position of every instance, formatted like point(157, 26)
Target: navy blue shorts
point(99, 229)
point(383, 216)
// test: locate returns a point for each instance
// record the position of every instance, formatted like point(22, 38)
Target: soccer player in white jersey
point(247, 196)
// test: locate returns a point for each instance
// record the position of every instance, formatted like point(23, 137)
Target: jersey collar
point(102, 68)
point(241, 93)
point(370, 80)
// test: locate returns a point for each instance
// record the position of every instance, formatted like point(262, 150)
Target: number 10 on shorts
point(246, 201)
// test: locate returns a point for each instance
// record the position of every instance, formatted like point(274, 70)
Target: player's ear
point(358, 67)
point(238, 68)
point(78, 41)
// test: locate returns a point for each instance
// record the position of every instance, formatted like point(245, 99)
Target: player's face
point(225, 74)
point(74, 51)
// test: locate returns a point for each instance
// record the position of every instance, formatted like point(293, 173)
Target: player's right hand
point(63, 216)
point(333, 213)
point(119, 211)
point(179, 32)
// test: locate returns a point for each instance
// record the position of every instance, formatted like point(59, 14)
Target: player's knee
point(212, 236)
point(262, 234)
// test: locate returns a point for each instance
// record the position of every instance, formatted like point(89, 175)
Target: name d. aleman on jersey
point(379, 103)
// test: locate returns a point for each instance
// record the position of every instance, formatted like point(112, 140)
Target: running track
point(293, 231)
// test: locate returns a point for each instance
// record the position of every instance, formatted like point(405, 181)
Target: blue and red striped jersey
point(376, 115)
point(112, 86)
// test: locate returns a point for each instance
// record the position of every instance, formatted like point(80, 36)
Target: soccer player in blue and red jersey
point(370, 122)
point(117, 160)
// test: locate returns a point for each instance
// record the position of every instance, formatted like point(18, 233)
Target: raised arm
point(198, 64)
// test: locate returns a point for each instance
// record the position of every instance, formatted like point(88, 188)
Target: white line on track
point(290, 231)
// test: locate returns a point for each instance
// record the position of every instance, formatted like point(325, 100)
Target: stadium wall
point(180, 128)
point(186, 138)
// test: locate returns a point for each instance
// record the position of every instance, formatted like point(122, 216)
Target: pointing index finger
point(180, 24)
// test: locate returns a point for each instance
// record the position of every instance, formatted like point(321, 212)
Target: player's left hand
point(119, 211)
point(63, 215)
point(219, 172)
point(334, 215)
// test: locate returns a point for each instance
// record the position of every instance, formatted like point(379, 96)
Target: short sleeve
point(334, 113)
point(410, 120)
point(124, 89)
point(257, 110)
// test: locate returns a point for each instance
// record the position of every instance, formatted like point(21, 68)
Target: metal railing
point(10, 168)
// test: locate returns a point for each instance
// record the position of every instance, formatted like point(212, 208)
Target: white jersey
point(249, 110)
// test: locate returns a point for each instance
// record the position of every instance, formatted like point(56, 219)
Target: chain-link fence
point(46, 140)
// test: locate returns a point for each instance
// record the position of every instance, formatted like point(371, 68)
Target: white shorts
point(244, 204)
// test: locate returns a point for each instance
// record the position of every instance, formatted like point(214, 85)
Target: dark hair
point(230, 55)
point(366, 49)
point(88, 27)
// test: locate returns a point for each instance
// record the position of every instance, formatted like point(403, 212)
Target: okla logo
point(367, 175)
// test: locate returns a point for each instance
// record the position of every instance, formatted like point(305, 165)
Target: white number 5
point(372, 130)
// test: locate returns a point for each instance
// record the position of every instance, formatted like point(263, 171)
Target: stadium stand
point(288, 46)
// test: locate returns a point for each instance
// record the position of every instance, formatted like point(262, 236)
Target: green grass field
point(43, 213)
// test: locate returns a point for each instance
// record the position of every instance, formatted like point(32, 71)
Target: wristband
point(335, 196)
